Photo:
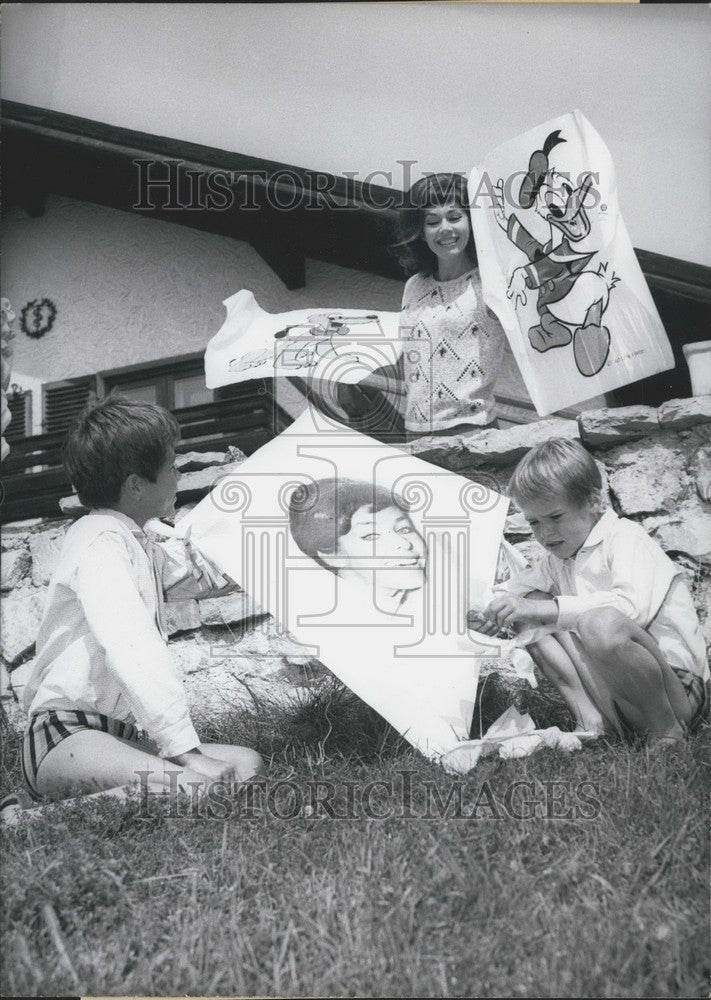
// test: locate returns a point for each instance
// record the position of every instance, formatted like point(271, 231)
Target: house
point(156, 159)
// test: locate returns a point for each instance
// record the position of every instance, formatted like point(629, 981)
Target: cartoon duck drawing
point(571, 300)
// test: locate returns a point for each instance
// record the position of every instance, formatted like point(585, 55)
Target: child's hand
point(208, 768)
point(510, 611)
point(477, 620)
point(212, 769)
point(507, 610)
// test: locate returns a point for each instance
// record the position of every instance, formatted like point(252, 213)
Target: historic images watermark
point(407, 796)
point(179, 186)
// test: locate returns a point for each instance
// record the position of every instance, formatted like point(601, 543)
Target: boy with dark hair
point(103, 671)
point(628, 652)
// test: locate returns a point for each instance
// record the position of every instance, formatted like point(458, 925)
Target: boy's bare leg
point(625, 663)
point(556, 658)
point(92, 761)
point(92, 764)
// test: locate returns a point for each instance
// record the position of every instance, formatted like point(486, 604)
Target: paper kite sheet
point(336, 345)
point(371, 559)
point(558, 267)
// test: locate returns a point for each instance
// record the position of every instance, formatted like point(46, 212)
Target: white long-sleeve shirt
point(620, 566)
point(100, 646)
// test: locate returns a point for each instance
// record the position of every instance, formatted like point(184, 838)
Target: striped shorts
point(47, 729)
point(697, 691)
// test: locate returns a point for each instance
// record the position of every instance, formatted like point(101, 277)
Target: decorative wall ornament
point(37, 317)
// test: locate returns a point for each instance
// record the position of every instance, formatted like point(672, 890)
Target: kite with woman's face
point(353, 528)
point(571, 299)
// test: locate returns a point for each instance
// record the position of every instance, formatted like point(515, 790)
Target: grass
point(609, 901)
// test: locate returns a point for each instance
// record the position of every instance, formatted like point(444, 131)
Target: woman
point(363, 534)
point(456, 344)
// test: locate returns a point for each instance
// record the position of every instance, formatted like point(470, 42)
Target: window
point(177, 383)
point(245, 414)
point(62, 401)
point(19, 403)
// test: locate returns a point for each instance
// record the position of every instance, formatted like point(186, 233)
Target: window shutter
point(20, 407)
point(64, 400)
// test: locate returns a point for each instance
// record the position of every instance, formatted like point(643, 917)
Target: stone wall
point(657, 468)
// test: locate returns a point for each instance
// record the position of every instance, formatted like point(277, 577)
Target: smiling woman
point(362, 533)
point(455, 343)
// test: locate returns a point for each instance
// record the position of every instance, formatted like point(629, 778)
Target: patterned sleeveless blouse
point(453, 355)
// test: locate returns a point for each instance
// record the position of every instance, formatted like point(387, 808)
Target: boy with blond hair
point(625, 648)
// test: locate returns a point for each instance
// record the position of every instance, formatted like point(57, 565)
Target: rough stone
point(688, 531)
point(191, 461)
point(20, 616)
point(647, 477)
point(192, 484)
point(28, 525)
point(614, 426)
point(700, 470)
point(260, 638)
point(678, 414)
point(19, 677)
point(45, 548)
point(11, 540)
point(495, 447)
point(5, 686)
point(216, 692)
point(228, 610)
point(14, 568)
point(12, 715)
point(237, 683)
point(181, 616)
point(516, 526)
point(190, 653)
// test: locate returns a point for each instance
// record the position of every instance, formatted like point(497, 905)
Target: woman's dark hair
point(320, 512)
point(113, 438)
point(410, 248)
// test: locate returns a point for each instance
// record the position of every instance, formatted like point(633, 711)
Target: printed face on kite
point(385, 540)
point(446, 230)
point(561, 204)
point(355, 530)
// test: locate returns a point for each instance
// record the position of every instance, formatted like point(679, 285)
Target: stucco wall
point(130, 289)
